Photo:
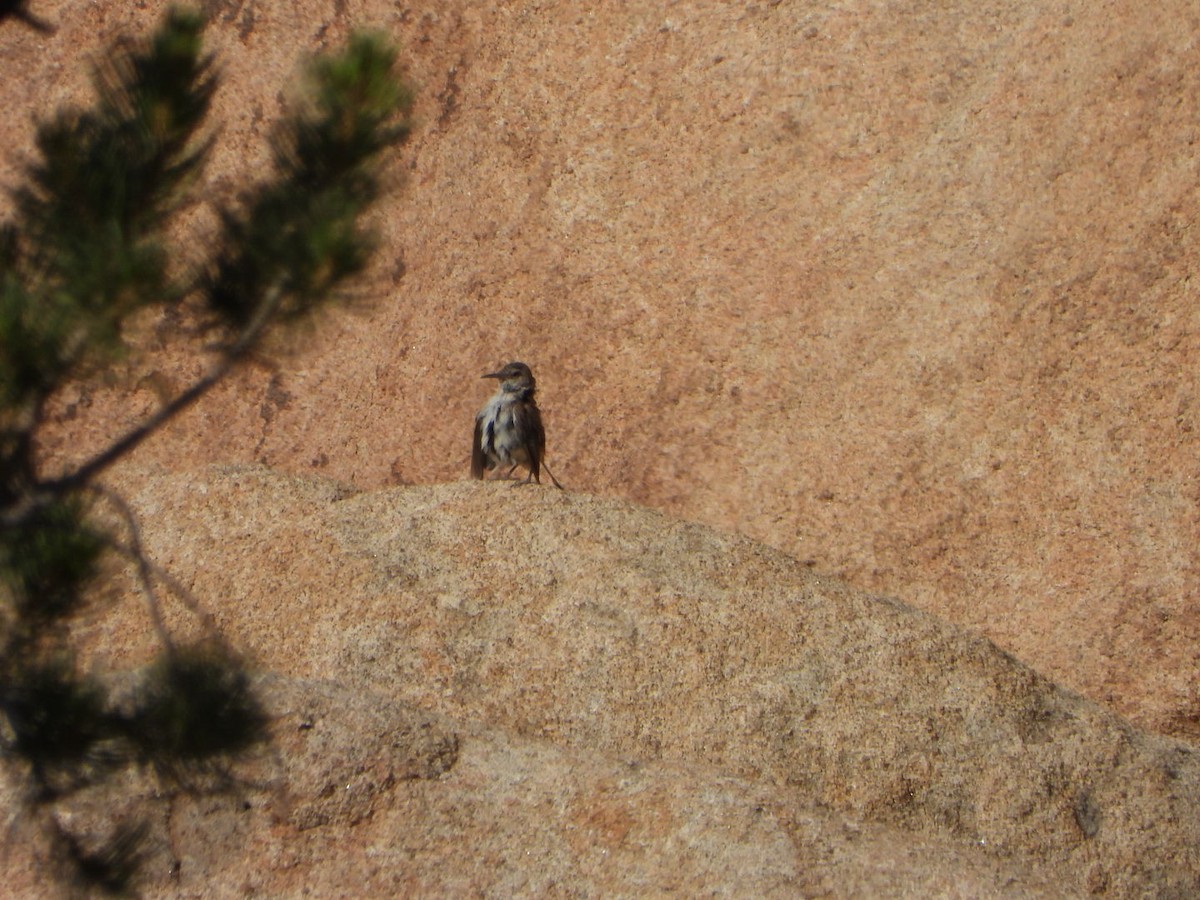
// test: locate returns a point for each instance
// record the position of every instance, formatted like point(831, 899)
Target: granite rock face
point(805, 727)
point(365, 797)
point(904, 291)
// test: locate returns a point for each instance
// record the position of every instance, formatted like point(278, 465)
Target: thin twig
point(174, 585)
point(132, 439)
point(45, 491)
point(138, 555)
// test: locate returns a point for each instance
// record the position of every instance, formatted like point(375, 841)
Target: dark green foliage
point(33, 338)
point(47, 562)
point(89, 218)
point(88, 247)
point(113, 864)
point(59, 719)
point(123, 161)
point(298, 236)
point(195, 707)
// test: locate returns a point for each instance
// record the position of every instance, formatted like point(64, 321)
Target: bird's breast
point(499, 432)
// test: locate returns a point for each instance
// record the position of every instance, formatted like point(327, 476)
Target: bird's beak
point(492, 375)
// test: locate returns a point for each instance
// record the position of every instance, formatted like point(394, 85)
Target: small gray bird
point(509, 430)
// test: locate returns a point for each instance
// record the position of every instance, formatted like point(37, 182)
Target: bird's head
point(516, 376)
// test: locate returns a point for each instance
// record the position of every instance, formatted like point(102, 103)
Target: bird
point(509, 430)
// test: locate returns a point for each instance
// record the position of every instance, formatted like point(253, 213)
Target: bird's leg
point(552, 478)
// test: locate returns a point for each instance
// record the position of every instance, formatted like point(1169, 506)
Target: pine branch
point(86, 250)
point(132, 439)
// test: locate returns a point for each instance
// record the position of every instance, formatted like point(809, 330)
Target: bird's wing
point(529, 423)
point(478, 460)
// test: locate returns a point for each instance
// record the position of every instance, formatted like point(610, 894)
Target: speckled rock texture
point(902, 290)
point(816, 735)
